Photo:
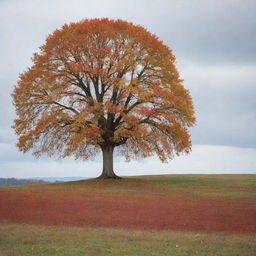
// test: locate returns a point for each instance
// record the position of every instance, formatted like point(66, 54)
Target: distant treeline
point(17, 182)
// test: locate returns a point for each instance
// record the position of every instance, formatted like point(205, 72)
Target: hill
point(18, 182)
point(59, 179)
point(36, 180)
point(218, 210)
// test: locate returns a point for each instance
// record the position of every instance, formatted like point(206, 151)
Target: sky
point(215, 47)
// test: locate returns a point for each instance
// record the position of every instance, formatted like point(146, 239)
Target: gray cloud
point(201, 30)
point(224, 98)
point(8, 153)
point(213, 32)
point(214, 42)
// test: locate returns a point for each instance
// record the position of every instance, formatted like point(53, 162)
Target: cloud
point(213, 32)
point(9, 153)
point(224, 98)
point(199, 30)
point(204, 159)
point(214, 42)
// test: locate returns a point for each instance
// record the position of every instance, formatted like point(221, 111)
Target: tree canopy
point(101, 84)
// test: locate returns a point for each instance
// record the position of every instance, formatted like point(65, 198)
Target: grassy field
point(149, 215)
point(28, 240)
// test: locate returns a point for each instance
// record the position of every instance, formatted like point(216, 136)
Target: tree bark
point(108, 172)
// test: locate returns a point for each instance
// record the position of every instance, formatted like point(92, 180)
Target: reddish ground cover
point(156, 211)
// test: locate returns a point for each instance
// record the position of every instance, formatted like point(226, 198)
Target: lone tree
point(102, 84)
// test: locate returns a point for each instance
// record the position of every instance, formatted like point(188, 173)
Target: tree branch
point(63, 106)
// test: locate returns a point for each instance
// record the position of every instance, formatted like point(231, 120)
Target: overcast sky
point(215, 46)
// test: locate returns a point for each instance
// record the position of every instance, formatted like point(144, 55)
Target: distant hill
point(17, 182)
point(37, 180)
point(59, 179)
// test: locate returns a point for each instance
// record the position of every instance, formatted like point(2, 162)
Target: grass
point(191, 180)
point(229, 185)
point(225, 185)
point(216, 180)
point(29, 240)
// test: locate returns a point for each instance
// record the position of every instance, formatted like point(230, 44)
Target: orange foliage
point(102, 82)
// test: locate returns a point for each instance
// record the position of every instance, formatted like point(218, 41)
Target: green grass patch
point(29, 240)
point(229, 185)
point(203, 180)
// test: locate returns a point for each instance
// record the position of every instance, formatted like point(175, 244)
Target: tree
point(102, 84)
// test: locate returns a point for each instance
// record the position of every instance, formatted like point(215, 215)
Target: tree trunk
point(108, 172)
